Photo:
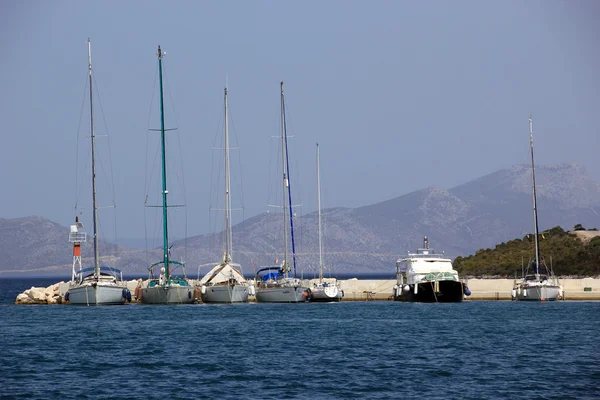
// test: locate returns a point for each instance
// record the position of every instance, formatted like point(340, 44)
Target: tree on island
point(564, 252)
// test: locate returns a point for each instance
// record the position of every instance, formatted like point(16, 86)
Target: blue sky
point(400, 95)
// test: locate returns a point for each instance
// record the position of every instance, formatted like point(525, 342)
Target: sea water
point(473, 350)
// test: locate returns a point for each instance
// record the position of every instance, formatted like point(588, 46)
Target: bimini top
point(274, 273)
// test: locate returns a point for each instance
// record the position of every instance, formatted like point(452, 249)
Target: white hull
point(537, 292)
point(281, 295)
point(168, 295)
point(92, 295)
point(224, 294)
point(325, 294)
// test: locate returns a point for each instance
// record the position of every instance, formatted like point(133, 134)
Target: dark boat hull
point(448, 292)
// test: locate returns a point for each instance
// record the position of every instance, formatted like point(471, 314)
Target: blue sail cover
point(271, 275)
point(276, 274)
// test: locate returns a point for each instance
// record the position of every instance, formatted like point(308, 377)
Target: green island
point(575, 254)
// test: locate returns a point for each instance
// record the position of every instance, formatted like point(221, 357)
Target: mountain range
point(479, 214)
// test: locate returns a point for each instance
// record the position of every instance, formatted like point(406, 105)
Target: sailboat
point(277, 283)
point(96, 285)
point(535, 285)
point(323, 291)
point(167, 288)
point(225, 283)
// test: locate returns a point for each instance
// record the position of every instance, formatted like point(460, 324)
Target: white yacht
point(428, 277)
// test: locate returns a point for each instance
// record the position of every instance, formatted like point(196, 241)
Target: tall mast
point(228, 234)
point(535, 217)
point(164, 171)
point(285, 267)
point(319, 207)
point(94, 206)
point(287, 163)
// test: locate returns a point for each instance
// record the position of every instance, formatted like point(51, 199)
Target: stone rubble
point(36, 295)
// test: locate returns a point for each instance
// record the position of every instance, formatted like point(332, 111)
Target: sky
point(400, 96)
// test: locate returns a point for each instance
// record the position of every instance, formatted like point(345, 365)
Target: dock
point(582, 289)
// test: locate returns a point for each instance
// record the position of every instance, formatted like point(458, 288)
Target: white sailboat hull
point(225, 294)
point(540, 292)
point(325, 294)
point(98, 294)
point(168, 295)
point(281, 295)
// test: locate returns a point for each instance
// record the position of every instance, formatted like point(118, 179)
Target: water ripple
point(474, 350)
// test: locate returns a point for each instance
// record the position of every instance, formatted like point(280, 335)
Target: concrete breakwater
point(358, 290)
point(481, 289)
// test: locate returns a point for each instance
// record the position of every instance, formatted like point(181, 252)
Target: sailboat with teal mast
point(167, 288)
point(277, 283)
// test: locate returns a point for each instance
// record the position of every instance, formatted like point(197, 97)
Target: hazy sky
point(400, 95)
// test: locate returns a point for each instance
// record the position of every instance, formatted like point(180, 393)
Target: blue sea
point(374, 350)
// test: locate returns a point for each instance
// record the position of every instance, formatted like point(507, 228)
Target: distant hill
point(476, 215)
point(479, 214)
point(33, 243)
point(37, 245)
